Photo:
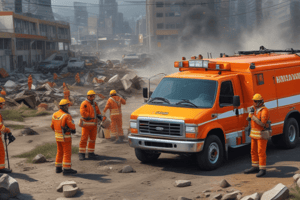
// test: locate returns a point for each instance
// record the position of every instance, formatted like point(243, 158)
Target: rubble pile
point(45, 94)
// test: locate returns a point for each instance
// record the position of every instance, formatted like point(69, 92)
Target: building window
point(174, 37)
point(7, 43)
point(170, 14)
point(159, 4)
point(26, 44)
point(43, 30)
point(40, 45)
point(160, 37)
point(1, 43)
point(33, 45)
point(20, 44)
point(32, 28)
point(170, 26)
point(159, 14)
point(160, 26)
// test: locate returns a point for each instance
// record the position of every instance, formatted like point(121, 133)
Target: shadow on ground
point(22, 176)
point(239, 160)
point(94, 177)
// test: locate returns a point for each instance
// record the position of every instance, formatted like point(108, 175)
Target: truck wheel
point(290, 134)
point(145, 156)
point(212, 155)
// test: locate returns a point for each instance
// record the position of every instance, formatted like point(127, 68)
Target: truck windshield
point(186, 92)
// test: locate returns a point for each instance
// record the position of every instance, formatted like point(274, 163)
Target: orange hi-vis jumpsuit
point(3, 130)
point(3, 93)
point(77, 78)
point(55, 77)
point(64, 140)
point(67, 95)
point(89, 131)
point(114, 105)
point(258, 144)
point(29, 82)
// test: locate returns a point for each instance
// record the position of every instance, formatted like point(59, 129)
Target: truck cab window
point(226, 94)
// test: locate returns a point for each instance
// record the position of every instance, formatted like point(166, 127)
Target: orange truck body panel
point(275, 76)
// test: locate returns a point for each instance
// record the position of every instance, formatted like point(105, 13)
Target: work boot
point(252, 170)
point(81, 156)
point(261, 173)
point(93, 156)
point(5, 170)
point(59, 170)
point(69, 172)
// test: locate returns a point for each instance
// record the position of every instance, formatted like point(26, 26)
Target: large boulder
point(182, 183)
point(40, 158)
point(9, 186)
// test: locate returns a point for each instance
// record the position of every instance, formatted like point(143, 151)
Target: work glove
point(251, 110)
point(10, 137)
point(100, 117)
point(248, 118)
point(73, 131)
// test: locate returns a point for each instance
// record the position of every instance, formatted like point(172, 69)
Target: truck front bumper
point(165, 144)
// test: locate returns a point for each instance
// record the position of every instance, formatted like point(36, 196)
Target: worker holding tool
point(90, 114)
point(63, 126)
point(114, 105)
point(29, 82)
point(7, 136)
point(260, 133)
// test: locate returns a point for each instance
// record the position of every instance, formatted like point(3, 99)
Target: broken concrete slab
point(254, 196)
point(182, 183)
point(183, 198)
point(40, 158)
point(10, 84)
point(69, 190)
point(60, 187)
point(296, 177)
point(232, 195)
point(114, 79)
point(278, 192)
point(217, 197)
point(126, 82)
point(10, 184)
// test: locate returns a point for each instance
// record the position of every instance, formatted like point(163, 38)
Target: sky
point(128, 11)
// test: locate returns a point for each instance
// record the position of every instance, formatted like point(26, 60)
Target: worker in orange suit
point(77, 78)
point(90, 114)
point(114, 105)
point(5, 131)
point(259, 115)
point(3, 92)
point(63, 126)
point(55, 77)
point(67, 94)
point(29, 82)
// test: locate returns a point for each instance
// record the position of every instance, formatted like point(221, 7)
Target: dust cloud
point(201, 34)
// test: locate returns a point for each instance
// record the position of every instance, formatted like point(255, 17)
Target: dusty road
point(99, 181)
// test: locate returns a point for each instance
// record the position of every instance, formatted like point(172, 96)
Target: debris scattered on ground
point(224, 184)
point(182, 183)
point(296, 177)
point(28, 131)
point(278, 192)
point(60, 187)
point(218, 196)
point(232, 195)
point(9, 187)
point(127, 169)
point(40, 158)
point(183, 198)
point(254, 196)
point(69, 188)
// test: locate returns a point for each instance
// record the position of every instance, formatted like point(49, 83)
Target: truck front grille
point(160, 128)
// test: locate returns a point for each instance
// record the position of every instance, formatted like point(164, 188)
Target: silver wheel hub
point(213, 153)
point(292, 133)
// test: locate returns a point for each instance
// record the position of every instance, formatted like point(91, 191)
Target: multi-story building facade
point(27, 41)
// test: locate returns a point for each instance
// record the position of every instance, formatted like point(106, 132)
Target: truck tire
point(145, 156)
point(212, 155)
point(290, 135)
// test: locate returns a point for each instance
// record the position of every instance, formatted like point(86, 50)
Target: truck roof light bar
point(263, 50)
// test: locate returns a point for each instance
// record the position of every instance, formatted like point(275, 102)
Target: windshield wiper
point(186, 101)
point(160, 98)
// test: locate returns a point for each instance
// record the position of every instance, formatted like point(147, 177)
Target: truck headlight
point(133, 124)
point(191, 129)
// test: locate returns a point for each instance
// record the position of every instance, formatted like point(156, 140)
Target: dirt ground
point(99, 180)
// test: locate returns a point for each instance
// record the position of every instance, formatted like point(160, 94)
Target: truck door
point(232, 123)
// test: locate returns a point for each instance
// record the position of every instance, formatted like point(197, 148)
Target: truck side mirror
point(150, 94)
point(145, 92)
point(236, 101)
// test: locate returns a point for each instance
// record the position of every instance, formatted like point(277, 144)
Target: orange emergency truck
point(202, 109)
